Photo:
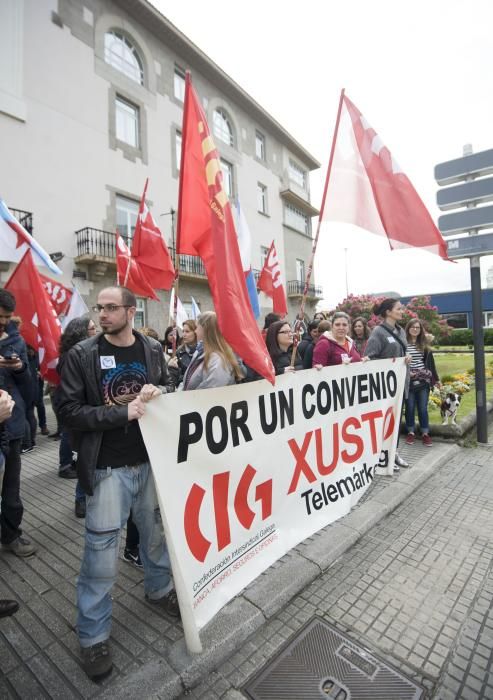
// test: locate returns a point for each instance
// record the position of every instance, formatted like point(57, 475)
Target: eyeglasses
point(282, 332)
point(109, 308)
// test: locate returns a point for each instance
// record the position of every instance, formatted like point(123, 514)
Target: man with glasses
point(106, 381)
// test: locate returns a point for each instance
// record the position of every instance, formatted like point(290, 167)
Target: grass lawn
point(454, 363)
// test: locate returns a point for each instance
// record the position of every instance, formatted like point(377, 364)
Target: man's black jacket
point(81, 403)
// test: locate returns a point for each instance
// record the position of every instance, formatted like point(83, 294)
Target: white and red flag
point(365, 186)
point(128, 272)
point(40, 325)
point(270, 282)
point(206, 228)
point(60, 296)
point(150, 250)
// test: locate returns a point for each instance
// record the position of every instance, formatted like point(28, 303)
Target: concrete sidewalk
point(39, 653)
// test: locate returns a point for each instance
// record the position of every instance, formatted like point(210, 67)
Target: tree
point(418, 307)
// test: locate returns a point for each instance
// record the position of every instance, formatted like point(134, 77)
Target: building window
point(295, 218)
point(179, 84)
point(458, 320)
point(178, 149)
point(488, 319)
point(127, 122)
point(300, 271)
point(126, 217)
point(259, 145)
point(222, 128)
point(297, 174)
point(140, 313)
point(261, 198)
point(228, 184)
point(123, 56)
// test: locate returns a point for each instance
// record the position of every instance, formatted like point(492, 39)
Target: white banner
point(246, 472)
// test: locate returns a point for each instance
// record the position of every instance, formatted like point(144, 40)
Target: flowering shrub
point(451, 384)
point(418, 307)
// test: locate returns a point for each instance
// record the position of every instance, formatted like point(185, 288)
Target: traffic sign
point(474, 165)
point(470, 246)
point(467, 220)
point(474, 192)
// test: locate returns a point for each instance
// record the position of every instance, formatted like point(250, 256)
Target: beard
point(114, 329)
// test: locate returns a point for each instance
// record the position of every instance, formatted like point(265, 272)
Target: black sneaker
point(133, 557)
point(80, 508)
point(68, 473)
point(169, 603)
point(25, 450)
point(8, 607)
point(97, 661)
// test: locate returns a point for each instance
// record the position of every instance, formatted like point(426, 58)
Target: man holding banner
point(106, 382)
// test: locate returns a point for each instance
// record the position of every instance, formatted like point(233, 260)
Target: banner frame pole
point(190, 631)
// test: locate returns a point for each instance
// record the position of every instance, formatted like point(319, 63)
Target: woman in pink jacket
point(336, 347)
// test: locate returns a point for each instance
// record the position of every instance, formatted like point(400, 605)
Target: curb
point(272, 590)
point(459, 429)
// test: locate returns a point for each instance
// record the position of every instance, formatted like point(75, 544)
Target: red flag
point(128, 272)
point(367, 188)
point(40, 326)
point(60, 295)
point(270, 282)
point(206, 228)
point(150, 250)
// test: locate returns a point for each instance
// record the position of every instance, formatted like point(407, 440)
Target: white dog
point(449, 408)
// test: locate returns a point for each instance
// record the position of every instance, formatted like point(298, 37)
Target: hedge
point(463, 336)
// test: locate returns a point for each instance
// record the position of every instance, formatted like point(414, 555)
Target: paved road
point(417, 590)
point(417, 587)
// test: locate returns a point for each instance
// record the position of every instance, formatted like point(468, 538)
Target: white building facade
point(91, 104)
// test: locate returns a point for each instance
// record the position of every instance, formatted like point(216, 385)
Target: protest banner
point(246, 472)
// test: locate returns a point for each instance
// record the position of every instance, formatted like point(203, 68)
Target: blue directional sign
point(467, 220)
point(475, 165)
point(470, 246)
point(473, 192)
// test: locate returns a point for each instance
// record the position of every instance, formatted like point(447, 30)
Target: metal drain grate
point(321, 662)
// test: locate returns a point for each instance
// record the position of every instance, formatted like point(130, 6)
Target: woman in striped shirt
point(423, 377)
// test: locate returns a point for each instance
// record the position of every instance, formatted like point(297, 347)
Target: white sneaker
point(399, 461)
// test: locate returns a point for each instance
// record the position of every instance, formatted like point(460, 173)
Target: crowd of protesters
point(106, 380)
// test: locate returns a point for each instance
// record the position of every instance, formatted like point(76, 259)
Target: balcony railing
point(189, 264)
point(25, 218)
point(296, 288)
point(97, 244)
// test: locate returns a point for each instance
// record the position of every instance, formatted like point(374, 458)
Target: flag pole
point(301, 313)
point(176, 285)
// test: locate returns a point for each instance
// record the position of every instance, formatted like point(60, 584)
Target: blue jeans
point(417, 399)
point(116, 492)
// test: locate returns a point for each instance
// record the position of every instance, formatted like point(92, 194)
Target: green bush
point(463, 336)
point(459, 336)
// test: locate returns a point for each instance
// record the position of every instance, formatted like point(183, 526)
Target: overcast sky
point(419, 71)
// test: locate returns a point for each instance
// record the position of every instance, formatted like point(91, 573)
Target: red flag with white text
point(150, 251)
point(40, 326)
point(366, 187)
point(206, 228)
point(128, 272)
point(270, 282)
point(60, 295)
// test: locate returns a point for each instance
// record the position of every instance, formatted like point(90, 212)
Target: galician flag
point(15, 240)
point(245, 244)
